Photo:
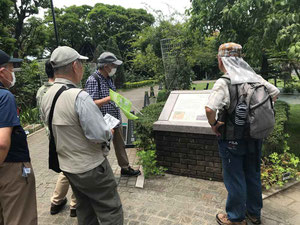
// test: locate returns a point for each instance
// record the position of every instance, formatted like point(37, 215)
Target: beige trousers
point(17, 195)
point(119, 145)
point(61, 190)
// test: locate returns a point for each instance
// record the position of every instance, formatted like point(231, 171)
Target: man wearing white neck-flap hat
point(240, 127)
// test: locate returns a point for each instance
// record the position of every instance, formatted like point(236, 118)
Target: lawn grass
point(293, 129)
point(202, 86)
point(280, 82)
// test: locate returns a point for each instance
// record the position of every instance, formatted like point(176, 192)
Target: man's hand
point(112, 131)
point(102, 101)
point(216, 128)
point(211, 117)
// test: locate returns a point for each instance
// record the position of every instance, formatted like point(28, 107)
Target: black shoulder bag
point(53, 159)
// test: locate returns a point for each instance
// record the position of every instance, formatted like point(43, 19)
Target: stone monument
point(185, 143)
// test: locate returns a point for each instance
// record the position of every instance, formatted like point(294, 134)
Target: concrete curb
point(274, 191)
point(35, 132)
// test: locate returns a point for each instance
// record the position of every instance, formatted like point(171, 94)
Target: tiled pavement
point(167, 200)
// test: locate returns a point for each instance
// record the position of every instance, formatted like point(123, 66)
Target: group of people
point(75, 124)
point(81, 136)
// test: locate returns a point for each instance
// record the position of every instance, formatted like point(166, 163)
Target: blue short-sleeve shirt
point(18, 151)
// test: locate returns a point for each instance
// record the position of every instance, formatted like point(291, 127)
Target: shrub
point(145, 139)
point(28, 82)
point(143, 83)
point(144, 125)
point(298, 87)
point(29, 116)
point(289, 88)
point(277, 168)
point(162, 95)
point(148, 160)
point(275, 142)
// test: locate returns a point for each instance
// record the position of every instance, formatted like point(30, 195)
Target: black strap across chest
point(53, 159)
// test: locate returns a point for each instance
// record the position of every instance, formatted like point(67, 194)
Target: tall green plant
point(144, 125)
point(28, 82)
point(145, 139)
point(149, 162)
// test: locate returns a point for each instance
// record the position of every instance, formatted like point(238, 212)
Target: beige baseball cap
point(64, 55)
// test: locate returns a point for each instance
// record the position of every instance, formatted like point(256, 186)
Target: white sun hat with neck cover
point(238, 69)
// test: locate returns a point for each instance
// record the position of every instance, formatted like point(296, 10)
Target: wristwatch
point(214, 124)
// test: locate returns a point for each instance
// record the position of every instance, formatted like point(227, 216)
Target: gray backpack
point(251, 113)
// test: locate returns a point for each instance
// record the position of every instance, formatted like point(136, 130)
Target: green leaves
point(294, 52)
point(148, 160)
point(28, 82)
point(277, 166)
point(258, 25)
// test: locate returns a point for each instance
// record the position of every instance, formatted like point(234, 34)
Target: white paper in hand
point(111, 121)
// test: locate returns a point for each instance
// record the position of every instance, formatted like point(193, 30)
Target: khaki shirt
point(39, 96)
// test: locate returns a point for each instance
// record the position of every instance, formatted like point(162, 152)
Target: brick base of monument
point(191, 155)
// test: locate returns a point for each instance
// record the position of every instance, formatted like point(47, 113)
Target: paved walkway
point(167, 200)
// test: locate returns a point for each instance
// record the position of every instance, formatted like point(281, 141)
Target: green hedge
point(275, 142)
point(162, 95)
point(144, 125)
point(143, 83)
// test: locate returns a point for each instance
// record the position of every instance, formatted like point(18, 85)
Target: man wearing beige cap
point(239, 145)
point(82, 141)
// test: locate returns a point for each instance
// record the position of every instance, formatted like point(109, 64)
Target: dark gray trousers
point(98, 199)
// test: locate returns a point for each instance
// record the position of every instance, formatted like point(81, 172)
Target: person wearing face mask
point(98, 85)
point(81, 139)
point(17, 181)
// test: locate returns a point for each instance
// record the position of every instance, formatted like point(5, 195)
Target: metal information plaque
point(189, 107)
point(184, 112)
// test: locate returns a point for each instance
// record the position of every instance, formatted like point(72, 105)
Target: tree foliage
point(110, 21)
point(72, 27)
point(261, 26)
point(28, 82)
point(23, 10)
point(6, 40)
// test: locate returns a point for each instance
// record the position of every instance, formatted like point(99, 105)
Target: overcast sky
point(178, 5)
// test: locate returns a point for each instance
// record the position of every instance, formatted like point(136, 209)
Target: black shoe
point(129, 172)
point(57, 208)
point(253, 219)
point(73, 213)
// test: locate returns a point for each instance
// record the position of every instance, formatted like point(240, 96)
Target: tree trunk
point(296, 70)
